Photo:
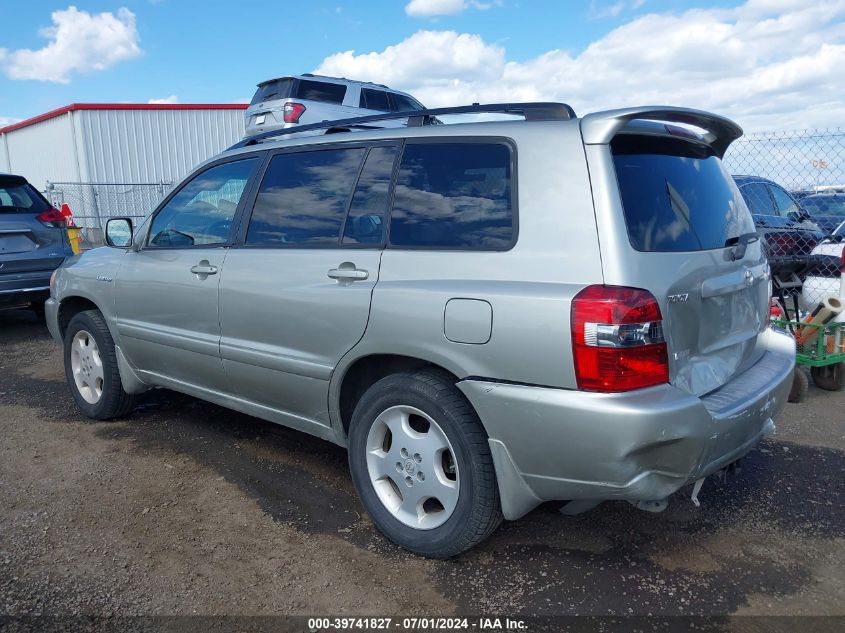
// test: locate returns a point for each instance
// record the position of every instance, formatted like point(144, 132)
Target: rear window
point(272, 90)
point(677, 196)
point(18, 196)
point(320, 91)
point(453, 196)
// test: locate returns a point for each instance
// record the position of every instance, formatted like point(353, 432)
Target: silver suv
point(488, 315)
point(303, 99)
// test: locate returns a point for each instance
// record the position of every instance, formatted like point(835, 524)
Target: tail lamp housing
point(52, 218)
point(617, 339)
point(293, 111)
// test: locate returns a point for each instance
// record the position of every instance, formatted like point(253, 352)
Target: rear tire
point(422, 466)
point(800, 386)
point(91, 368)
point(829, 377)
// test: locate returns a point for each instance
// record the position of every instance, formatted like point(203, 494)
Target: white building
point(110, 159)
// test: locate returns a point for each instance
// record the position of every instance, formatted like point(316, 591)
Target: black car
point(33, 243)
point(826, 209)
point(788, 230)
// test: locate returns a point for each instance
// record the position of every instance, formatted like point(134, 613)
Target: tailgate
point(675, 224)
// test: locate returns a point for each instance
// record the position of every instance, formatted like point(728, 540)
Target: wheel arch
point(70, 306)
point(360, 373)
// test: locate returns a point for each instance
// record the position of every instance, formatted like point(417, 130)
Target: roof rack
point(536, 111)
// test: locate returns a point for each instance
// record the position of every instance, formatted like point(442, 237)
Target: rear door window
point(453, 196)
point(303, 197)
point(320, 91)
point(375, 100)
point(365, 220)
point(677, 196)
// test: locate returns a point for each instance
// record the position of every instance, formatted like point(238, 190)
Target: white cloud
point(433, 8)
point(78, 42)
point(170, 99)
point(599, 11)
point(770, 64)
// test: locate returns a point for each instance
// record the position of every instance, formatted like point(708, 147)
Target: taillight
point(293, 111)
point(617, 339)
point(842, 262)
point(52, 218)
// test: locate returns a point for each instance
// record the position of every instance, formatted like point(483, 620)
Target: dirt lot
point(187, 508)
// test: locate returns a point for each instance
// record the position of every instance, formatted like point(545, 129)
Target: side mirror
point(119, 232)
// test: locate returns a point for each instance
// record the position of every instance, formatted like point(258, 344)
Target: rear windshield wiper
point(740, 244)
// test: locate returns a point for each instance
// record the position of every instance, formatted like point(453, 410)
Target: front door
point(166, 292)
point(295, 296)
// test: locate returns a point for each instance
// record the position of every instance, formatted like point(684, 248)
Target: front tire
point(91, 368)
point(421, 464)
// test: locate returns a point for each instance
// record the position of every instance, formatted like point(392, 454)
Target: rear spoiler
point(599, 128)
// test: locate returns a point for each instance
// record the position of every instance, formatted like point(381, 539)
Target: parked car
point(488, 315)
point(786, 228)
point(826, 209)
point(303, 99)
point(825, 279)
point(33, 243)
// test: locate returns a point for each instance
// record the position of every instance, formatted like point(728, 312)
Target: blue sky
point(595, 54)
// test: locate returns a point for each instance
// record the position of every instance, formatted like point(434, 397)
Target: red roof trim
point(52, 114)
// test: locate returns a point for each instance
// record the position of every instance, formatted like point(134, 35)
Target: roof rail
point(354, 81)
point(536, 111)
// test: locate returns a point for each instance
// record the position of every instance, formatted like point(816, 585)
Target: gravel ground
point(188, 508)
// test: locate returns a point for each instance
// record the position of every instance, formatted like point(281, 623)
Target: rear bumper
point(556, 444)
point(20, 288)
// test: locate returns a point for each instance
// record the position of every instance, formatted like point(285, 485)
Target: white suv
point(303, 99)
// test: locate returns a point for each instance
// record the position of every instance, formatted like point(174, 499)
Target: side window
point(365, 220)
point(453, 196)
point(786, 206)
point(201, 213)
point(321, 91)
point(757, 198)
point(404, 104)
point(375, 100)
point(303, 198)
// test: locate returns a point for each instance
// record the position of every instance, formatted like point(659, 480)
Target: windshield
point(677, 196)
point(825, 205)
point(18, 196)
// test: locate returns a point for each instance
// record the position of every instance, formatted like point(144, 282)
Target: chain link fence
point(794, 185)
point(93, 203)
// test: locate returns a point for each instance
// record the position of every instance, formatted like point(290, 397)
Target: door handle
point(348, 274)
point(204, 268)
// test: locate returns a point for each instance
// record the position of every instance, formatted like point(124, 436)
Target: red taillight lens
point(842, 262)
point(617, 339)
point(52, 218)
point(293, 111)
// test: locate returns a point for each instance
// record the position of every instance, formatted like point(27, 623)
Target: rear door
point(32, 234)
point(295, 295)
point(680, 229)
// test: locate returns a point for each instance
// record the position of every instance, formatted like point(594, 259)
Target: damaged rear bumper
point(557, 444)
